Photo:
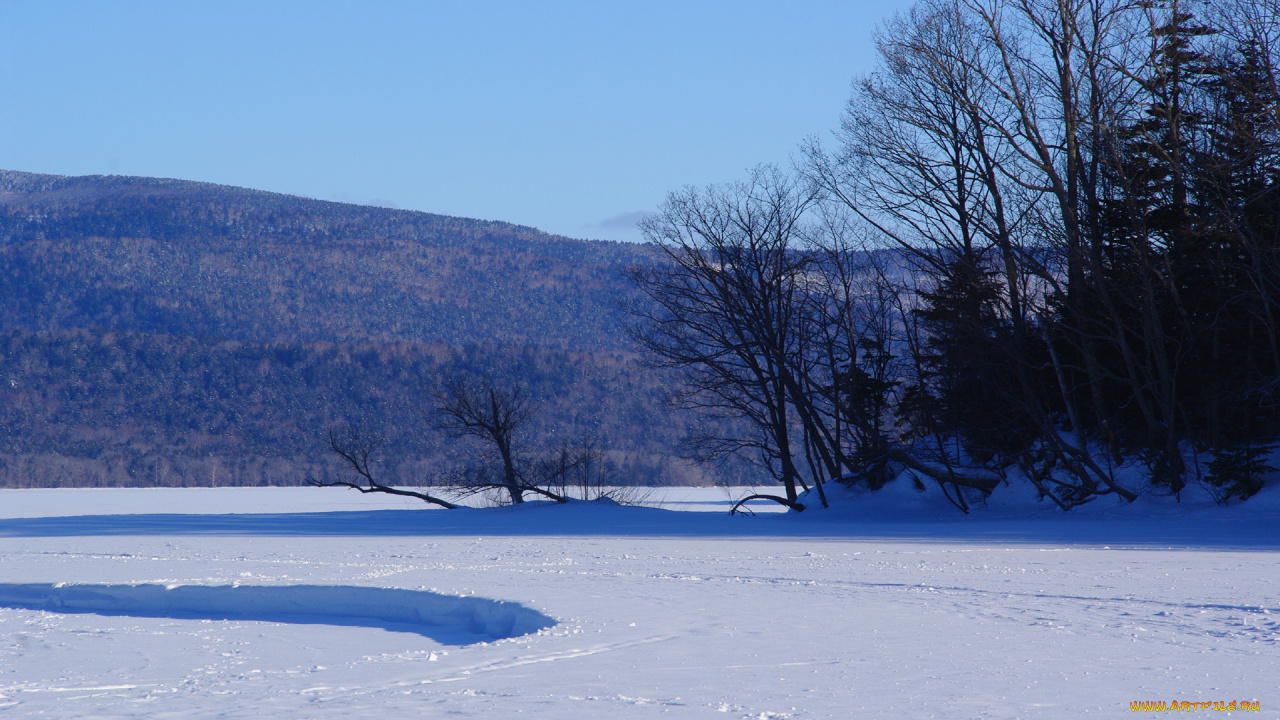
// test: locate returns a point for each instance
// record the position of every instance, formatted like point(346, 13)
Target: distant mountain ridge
point(188, 258)
point(157, 331)
point(130, 206)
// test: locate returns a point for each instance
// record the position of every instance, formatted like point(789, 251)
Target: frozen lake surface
point(305, 602)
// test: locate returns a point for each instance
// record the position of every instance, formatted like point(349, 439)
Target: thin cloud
point(623, 221)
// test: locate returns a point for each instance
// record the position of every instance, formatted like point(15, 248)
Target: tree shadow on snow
point(447, 619)
point(1261, 532)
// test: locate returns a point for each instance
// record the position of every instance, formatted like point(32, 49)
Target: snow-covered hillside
point(300, 602)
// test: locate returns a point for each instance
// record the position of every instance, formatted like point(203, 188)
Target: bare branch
point(356, 451)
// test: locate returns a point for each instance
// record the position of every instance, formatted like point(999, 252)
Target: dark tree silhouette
point(494, 413)
point(723, 308)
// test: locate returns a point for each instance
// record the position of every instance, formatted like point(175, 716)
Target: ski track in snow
point(645, 626)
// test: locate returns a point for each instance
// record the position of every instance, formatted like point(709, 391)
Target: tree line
point(134, 409)
point(1044, 243)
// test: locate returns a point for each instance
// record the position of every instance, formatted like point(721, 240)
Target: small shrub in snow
point(1236, 471)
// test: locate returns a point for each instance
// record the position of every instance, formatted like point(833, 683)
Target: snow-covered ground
point(305, 602)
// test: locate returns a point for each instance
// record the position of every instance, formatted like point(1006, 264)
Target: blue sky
point(569, 116)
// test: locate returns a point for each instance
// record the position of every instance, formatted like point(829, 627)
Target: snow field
point(823, 626)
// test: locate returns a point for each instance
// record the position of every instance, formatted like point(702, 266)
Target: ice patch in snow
point(444, 618)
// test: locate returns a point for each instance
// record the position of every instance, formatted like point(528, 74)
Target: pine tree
point(967, 359)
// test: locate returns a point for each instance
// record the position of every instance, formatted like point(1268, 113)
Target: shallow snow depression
point(447, 619)
point(260, 603)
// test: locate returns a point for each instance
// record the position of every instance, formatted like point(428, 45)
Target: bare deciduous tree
point(494, 413)
point(722, 310)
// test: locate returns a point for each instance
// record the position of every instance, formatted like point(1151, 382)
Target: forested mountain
point(175, 257)
point(158, 331)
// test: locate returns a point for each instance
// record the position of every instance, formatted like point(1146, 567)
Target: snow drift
point(425, 613)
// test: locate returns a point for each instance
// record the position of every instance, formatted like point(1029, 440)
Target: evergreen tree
point(966, 362)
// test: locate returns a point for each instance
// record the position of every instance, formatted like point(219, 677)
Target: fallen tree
point(349, 444)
